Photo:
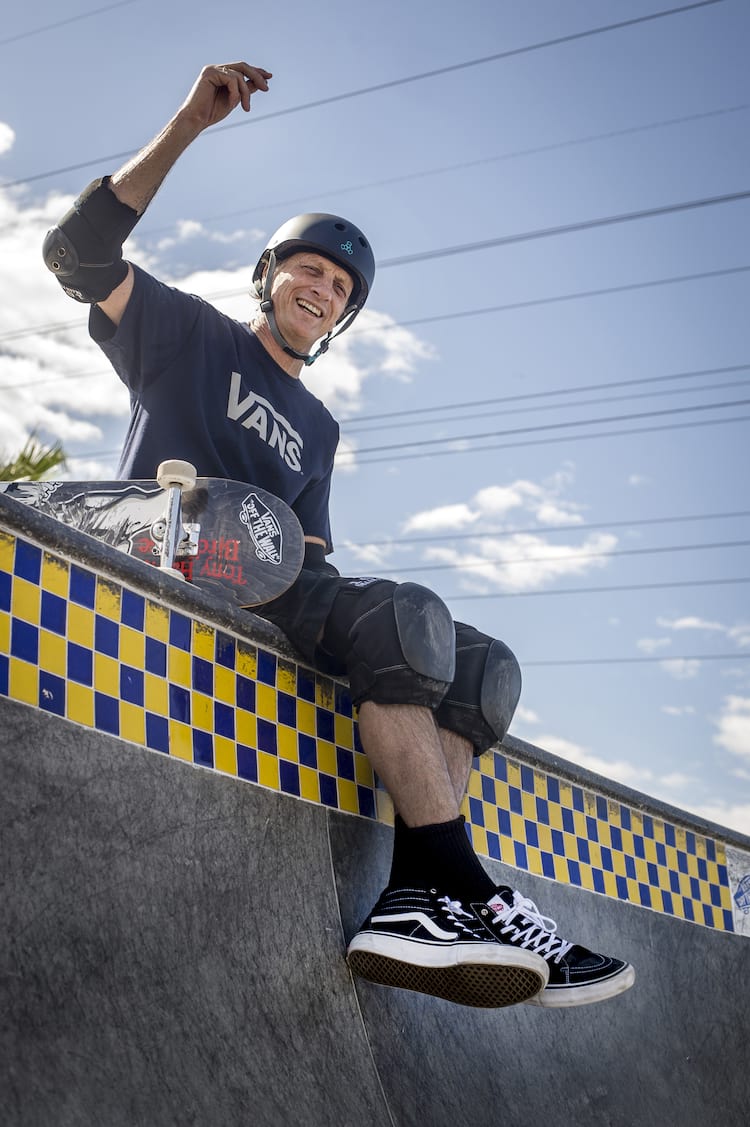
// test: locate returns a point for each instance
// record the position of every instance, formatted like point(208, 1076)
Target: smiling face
point(309, 295)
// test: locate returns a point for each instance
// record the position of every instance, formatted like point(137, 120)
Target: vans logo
point(263, 528)
point(257, 414)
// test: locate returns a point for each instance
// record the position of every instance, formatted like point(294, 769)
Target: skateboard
point(217, 534)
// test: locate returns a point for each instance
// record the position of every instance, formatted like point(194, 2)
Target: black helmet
point(331, 236)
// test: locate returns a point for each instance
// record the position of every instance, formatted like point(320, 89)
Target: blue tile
point(266, 668)
point(289, 777)
point(342, 701)
point(267, 737)
point(548, 865)
point(305, 685)
point(476, 812)
point(24, 641)
point(622, 888)
point(710, 850)
point(578, 799)
point(682, 861)
point(245, 693)
point(728, 919)
point(715, 896)
point(674, 882)
point(599, 885)
point(357, 741)
point(80, 664)
point(501, 767)
point(616, 838)
point(625, 818)
point(667, 904)
point(179, 631)
point(532, 833)
point(708, 916)
point(488, 789)
point(226, 650)
point(493, 846)
point(630, 868)
point(203, 748)
point(553, 789)
point(687, 907)
point(157, 732)
point(503, 822)
point(28, 562)
point(247, 763)
point(324, 726)
point(5, 590)
point(51, 693)
point(106, 714)
point(82, 587)
point(345, 763)
point(203, 676)
point(54, 613)
point(690, 843)
point(527, 779)
point(286, 708)
point(558, 843)
point(106, 636)
point(702, 869)
point(601, 809)
point(574, 872)
point(639, 847)
point(648, 826)
point(519, 851)
point(308, 752)
point(156, 657)
point(131, 685)
point(567, 820)
point(132, 610)
point(328, 791)
point(669, 834)
point(4, 662)
point(515, 800)
point(645, 894)
point(607, 860)
point(653, 874)
point(366, 801)
point(592, 828)
point(179, 704)
point(695, 890)
point(542, 811)
point(661, 854)
point(223, 720)
point(584, 853)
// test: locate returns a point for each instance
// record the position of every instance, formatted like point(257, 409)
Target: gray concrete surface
point(171, 955)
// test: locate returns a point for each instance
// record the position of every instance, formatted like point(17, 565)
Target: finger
point(258, 76)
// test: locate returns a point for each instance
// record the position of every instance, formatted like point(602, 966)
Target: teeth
point(310, 308)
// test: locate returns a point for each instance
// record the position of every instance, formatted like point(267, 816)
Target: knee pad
point(486, 688)
point(397, 641)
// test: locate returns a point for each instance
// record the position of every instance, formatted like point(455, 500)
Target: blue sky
point(643, 117)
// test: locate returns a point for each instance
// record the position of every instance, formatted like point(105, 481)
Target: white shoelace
point(532, 929)
point(454, 909)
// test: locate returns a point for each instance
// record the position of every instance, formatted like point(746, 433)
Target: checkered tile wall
point(84, 647)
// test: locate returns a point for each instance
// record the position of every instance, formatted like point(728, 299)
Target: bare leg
point(459, 753)
point(404, 746)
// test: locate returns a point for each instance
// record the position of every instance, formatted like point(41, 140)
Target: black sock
point(439, 856)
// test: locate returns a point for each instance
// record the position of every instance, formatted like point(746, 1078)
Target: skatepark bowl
point(191, 834)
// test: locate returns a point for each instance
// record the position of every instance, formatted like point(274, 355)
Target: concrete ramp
point(172, 954)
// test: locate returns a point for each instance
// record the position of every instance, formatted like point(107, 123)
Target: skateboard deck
point(234, 538)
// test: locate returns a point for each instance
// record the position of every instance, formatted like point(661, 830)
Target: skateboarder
point(431, 694)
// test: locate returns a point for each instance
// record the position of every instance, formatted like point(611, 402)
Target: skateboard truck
point(173, 476)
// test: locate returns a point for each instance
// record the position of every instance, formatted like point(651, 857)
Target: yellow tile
point(502, 798)
point(579, 823)
point(680, 838)
point(555, 816)
point(156, 695)
point(204, 641)
point(225, 684)
point(327, 758)
point(671, 853)
point(4, 632)
point(540, 784)
point(55, 575)
point(528, 803)
point(534, 860)
point(180, 741)
point(80, 704)
point(247, 660)
point(132, 647)
point(309, 785)
point(363, 772)
point(268, 770)
point(641, 870)
point(545, 838)
point(247, 731)
point(179, 667)
point(587, 877)
point(628, 846)
point(566, 796)
point(132, 723)
point(286, 739)
point(202, 711)
point(225, 755)
point(589, 804)
point(613, 810)
point(53, 653)
point(659, 832)
point(266, 702)
point(343, 729)
point(286, 677)
point(108, 599)
point(348, 798)
point(692, 864)
point(106, 675)
point(479, 840)
point(23, 681)
point(156, 623)
point(80, 625)
point(324, 696)
point(25, 601)
point(618, 862)
point(610, 885)
point(649, 848)
point(7, 546)
point(306, 717)
point(561, 869)
point(514, 774)
point(491, 821)
point(517, 828)
point(474, 788)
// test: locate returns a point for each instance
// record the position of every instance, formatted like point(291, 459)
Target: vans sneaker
point(418, 939)
point(577, 976)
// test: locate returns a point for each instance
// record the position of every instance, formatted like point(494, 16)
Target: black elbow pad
point(84, 251)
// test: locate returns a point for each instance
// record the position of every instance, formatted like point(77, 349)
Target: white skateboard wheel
point(174, 472)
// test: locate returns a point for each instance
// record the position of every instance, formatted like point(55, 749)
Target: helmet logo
point(347, 246)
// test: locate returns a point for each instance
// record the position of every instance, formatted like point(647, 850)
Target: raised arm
point(85, 250)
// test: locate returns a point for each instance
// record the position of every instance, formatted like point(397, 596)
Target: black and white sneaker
point(418, 939)
point(577, 976)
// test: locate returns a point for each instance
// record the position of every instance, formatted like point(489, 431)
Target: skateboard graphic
point(217, 534)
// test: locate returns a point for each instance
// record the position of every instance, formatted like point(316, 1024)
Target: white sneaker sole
point(487, 976)
point(561, 997)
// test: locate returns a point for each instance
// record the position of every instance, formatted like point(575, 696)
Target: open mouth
point(309, 307)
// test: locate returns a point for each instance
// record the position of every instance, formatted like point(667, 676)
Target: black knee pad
point(480, 703)
point(397, 641)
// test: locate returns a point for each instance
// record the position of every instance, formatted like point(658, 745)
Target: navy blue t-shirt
point(204, 389)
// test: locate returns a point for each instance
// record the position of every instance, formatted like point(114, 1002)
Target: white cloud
point(618, 770)
point(449, 518)
point(678, 710)
point(734, 726)
point(7, 138)
point(682, 669)
point(651, 645)
point(636, 479)
point(689, 622)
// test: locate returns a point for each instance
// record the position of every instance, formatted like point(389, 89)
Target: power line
point(597, 590)
point(62, 23)
point(546, 427)
point(469, 566)
point(546, 529)
point(392, 83)
point(638, 660)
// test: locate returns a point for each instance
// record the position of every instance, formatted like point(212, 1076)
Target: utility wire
point(598, 590)
point(638, 660)
point(62, 23)
point(546, 529)
point(440, 72)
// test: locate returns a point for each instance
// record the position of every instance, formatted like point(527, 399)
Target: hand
point(220, 89)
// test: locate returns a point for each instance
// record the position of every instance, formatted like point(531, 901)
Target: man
point(431, 693)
